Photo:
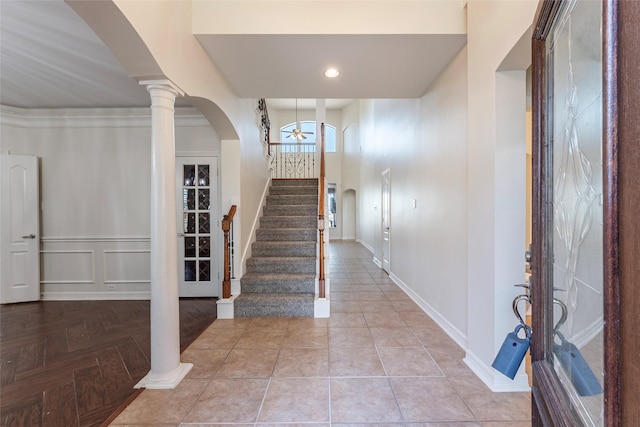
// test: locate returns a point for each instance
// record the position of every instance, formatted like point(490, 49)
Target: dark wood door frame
point(626, 68)
point(621, 240)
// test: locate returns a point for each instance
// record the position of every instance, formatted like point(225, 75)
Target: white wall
point(423, 142)
point(95, 185)
point(254, 179)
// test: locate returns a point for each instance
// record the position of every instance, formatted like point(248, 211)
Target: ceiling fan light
point(331, 73)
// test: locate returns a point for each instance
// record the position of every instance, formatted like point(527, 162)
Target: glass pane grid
point(196, 223)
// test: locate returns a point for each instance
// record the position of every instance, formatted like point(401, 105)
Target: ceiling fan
point(297, 133)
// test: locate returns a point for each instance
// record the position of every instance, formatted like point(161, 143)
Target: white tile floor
point(378, 360)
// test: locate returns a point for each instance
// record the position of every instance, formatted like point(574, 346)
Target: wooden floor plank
point(115, 376)
point(31, 356)
point(89, 389)
point(134, 359)
point(8, 366)
point(56, 347)
point(60, 407)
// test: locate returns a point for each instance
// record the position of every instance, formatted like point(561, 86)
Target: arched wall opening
point(349, 213)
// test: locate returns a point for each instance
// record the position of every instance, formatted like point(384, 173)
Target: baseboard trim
point(369, 248)
point(447, 326)
point(88, 296)
point(496, 381)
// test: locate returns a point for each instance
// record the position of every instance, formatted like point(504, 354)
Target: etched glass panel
point(189, 247)
point(203, 175)
point(188, 199)
point(189, 271)
point(189, 175)
point(203, 223)
point(576, 155)
point(189, 223)
point(203, 198)
point(204, 247)
point(205, 271)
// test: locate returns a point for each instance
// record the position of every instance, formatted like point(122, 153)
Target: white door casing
point(386, 220)
point(198, 227)
point(19, 229)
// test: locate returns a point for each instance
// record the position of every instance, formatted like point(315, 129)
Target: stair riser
point(278, 287)
point(292, 200)
point(261, 311)
point(288, 222)
point(259, 249)
point(296, 234)
point(290, 265)
point(282, 210)
point(297, 190)
point(246, 306)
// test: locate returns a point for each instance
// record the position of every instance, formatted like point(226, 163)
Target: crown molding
point(93, 117)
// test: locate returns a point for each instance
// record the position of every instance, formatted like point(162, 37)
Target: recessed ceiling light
point(331, 73)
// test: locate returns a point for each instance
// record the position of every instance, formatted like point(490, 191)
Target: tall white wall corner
point(225, 307)
point(493, 379)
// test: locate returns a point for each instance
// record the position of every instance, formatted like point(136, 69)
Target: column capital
point(165, 84)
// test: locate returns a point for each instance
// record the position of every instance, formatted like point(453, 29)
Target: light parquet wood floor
point(74, 363)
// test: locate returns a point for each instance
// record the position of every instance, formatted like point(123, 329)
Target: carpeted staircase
point(280, 275)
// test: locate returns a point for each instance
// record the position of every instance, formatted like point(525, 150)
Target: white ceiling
point(50, 58)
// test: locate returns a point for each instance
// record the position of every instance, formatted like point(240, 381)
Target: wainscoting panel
point(127, 266)
point(95, 268)
point(68, 266)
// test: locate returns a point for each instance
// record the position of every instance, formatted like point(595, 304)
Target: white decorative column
point(166, 369)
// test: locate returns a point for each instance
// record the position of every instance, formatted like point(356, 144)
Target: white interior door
point(19, 229)
point(198, 234)
point(386, 220)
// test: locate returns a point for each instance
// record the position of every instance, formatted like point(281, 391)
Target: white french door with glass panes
point(198, 254)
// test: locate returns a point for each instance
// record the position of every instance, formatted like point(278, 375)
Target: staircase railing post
point(321, 287)
point(227, 222)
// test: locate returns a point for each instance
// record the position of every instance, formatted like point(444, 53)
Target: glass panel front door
point(197, 229)
point(574, 176)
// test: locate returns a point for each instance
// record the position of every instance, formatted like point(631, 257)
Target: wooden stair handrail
point(227, 221)
point(321, 289)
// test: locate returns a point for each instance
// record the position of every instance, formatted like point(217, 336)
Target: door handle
point(29, 236)
point(180, 235)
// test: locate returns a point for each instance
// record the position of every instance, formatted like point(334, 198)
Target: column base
point(165, 381)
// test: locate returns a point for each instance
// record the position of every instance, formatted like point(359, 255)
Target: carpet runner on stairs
point(280, 275)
